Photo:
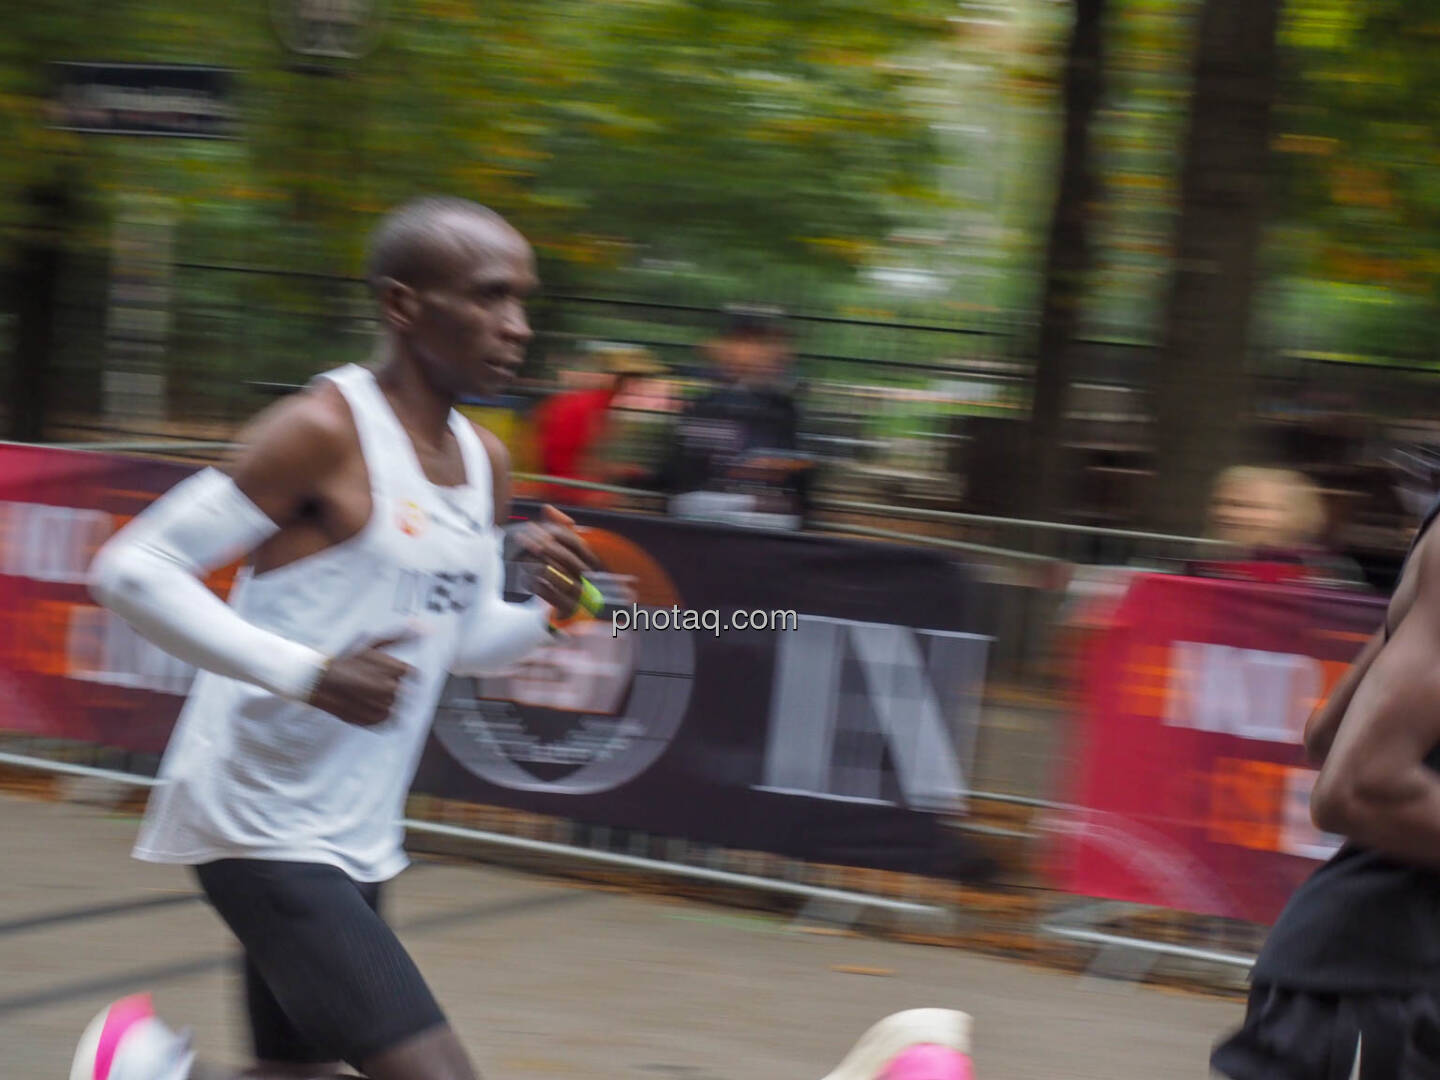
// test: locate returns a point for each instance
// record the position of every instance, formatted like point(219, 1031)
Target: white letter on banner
point(1221, 698)
point(1182, 698)
point(1245, 692)
point(103, 648)
point(846, 691)
point(1277, 686)
point(51, 543)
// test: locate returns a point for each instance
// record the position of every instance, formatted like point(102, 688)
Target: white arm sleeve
point(151, 573)
point(497, 634)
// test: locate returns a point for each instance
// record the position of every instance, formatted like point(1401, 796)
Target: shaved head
point(423, 241)
point(452, 279)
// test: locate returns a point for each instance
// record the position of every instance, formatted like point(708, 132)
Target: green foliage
point(708, 150)
point(1147, 71)
point(724, 132)
point(1351, 259)
point(1358, 128)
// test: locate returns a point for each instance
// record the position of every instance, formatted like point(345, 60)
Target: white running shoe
point(127, 1041)
point(917, 1044)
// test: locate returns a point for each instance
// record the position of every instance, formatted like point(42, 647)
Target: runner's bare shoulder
point(292, 449)
point(500, 479)
point(1421, 578)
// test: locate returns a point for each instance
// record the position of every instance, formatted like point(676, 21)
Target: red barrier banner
point(1191, 791)
point(69, 669)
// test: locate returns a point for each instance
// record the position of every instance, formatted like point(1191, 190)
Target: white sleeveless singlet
point(251, 775)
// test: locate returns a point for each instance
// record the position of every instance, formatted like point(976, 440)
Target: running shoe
point(127, 1041)
point(917, 1044)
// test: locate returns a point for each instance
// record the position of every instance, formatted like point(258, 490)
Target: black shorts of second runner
point(1300, 1035)
point(326, 979)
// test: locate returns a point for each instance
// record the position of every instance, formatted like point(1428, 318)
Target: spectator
point(572, 427)
point(1265, 509)
point(1275, 519)
point(742, 435)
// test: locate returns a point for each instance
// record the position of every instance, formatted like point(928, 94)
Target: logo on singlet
point(410, 519)
point(437, 592)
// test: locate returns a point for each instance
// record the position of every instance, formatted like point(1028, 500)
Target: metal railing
point(662, 867)
point(1022, 561)
point(1145, 543)
point(824, 897)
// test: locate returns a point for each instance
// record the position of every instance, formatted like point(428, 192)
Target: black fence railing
point(898, 397)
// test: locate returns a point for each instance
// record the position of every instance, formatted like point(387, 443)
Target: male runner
point(1348, 984)
point(371, 511)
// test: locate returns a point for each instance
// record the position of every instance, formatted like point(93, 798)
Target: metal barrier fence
point(1219, 951)
point(682, 859)
point(233, 323)
point(1029, 542)
point(1026, 564)
point(1025, 591)
point(1017, 538)
point(1016, 764)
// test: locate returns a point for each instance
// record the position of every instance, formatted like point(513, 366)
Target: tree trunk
point(1202, 395)
point(1067, 263)
point(37, 292)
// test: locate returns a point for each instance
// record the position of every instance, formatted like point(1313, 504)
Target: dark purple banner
point(804, 695)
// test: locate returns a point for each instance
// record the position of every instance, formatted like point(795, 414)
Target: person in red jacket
point(570, 428)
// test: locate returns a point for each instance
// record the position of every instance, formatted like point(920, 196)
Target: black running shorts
point(1296, 1035)
point(325, 978)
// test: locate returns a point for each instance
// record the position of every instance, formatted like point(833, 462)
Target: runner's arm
point(152, 571)
point(496, 634)
point(1375, 787)
point(1324, 722)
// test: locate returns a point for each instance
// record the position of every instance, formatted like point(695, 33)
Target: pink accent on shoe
point(122, 1016)
point(929, 1062)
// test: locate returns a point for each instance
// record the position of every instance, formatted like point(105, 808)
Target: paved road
point(547, 979)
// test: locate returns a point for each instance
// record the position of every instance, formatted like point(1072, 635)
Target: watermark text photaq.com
point(676, 618)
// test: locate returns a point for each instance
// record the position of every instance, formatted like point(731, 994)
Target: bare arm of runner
point(151, 572)
point(1375, 787)
point(496, 633)
point(1324, 722)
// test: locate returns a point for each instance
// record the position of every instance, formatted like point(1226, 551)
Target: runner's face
point(472, 331)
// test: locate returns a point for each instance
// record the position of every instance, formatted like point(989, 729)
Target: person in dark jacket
point(742, 435)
